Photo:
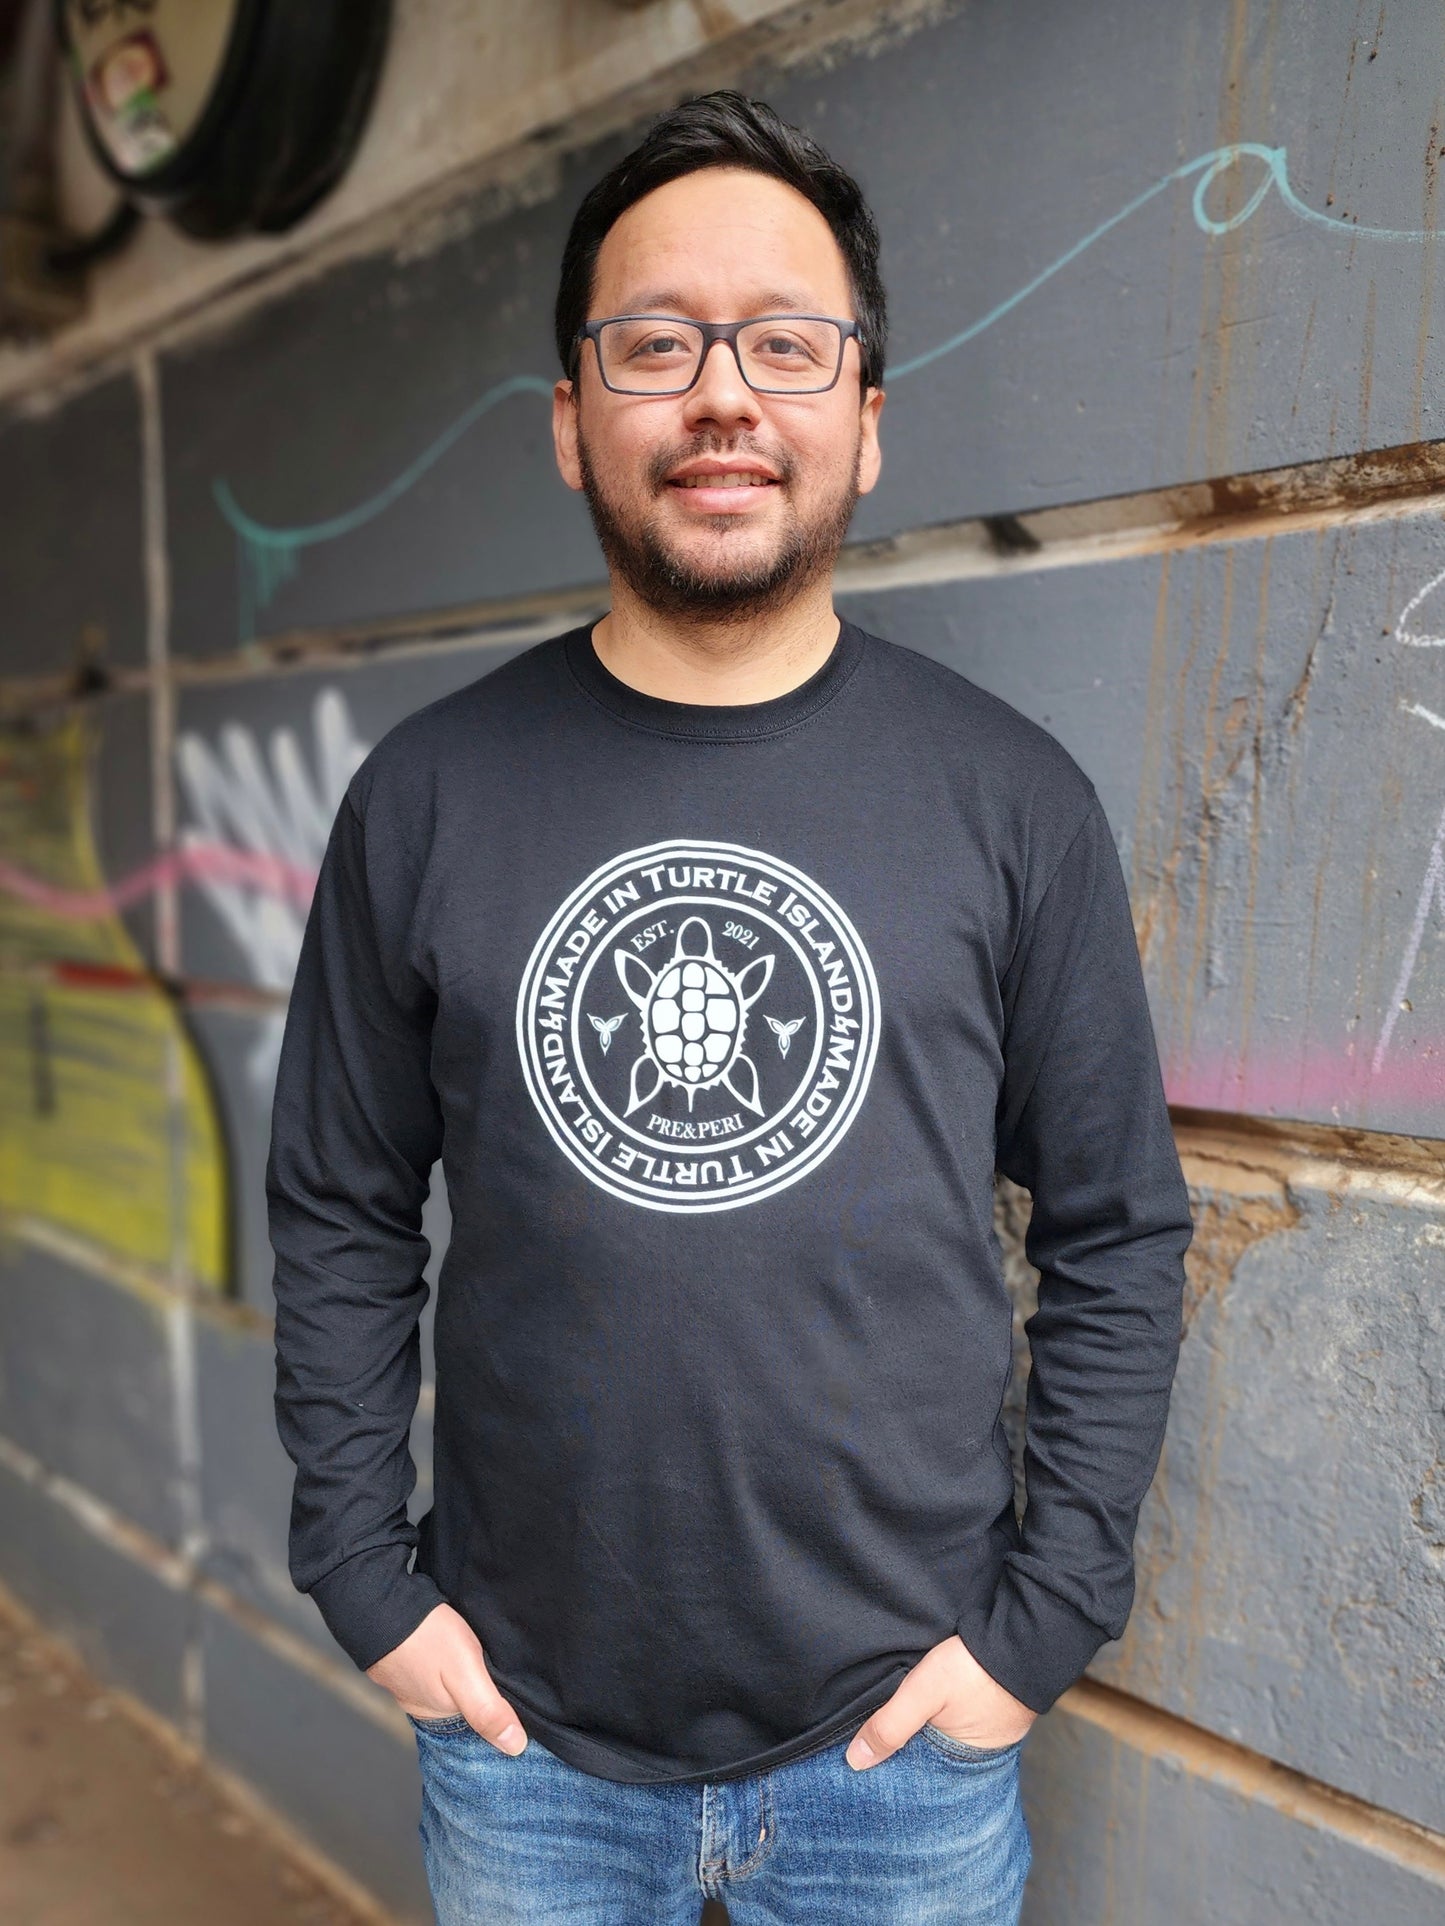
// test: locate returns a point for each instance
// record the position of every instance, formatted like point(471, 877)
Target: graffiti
point(98, 1142)
point(269, 557)
point(1432, 890)
point(1432, 896)
point(1411, 638)
point(109, 1135)
point(276, 818)
point(269, 554)
point(203, 861)
point(253, 851)
point(1209, 168)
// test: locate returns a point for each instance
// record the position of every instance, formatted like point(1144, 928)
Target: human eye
point(792, 344)
point(655, 345)
point(782, 346)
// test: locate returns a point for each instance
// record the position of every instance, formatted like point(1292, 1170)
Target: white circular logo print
point(698, 1025)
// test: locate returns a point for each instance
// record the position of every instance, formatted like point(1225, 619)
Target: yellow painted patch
point(90, 1142)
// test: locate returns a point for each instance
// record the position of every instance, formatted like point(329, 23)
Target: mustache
point(710, 442)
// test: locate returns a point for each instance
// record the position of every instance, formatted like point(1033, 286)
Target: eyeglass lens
point(652, 356)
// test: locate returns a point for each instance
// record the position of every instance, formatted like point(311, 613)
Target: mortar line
point(1165, 1735)
point(1382, 486)
point(1149, 1729)
point(183, 1751)
point(1107, 530)
point(180, 1325)
point(1406, 1169)
point(179, 1572)
point(155, 563)
point(1329, 1158)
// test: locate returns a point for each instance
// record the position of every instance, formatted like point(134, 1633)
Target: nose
point(720, 395)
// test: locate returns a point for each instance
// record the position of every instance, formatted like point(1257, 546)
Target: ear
point(870, 454)
point(564, 433)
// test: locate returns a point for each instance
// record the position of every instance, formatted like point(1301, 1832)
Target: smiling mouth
point(731, 480)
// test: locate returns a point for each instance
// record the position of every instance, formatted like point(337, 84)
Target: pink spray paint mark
point(1342, 1084)
point(212, 862)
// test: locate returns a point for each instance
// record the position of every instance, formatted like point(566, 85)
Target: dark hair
point(726, 129)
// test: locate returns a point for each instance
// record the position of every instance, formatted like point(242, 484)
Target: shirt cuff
point(1030, 1640)
point(371, 1602)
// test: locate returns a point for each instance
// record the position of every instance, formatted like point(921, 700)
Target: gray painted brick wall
point(1264, 720)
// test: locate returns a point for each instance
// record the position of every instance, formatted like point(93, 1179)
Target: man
point(722, 952)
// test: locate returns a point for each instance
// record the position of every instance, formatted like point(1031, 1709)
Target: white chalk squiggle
point(1411, 638)
point(282, 811)
point(1432, 890)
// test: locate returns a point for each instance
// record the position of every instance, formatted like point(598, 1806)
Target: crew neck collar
point(715, 722)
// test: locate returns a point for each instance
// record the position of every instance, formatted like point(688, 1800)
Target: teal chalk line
point(268, 554)
point(1208, 167)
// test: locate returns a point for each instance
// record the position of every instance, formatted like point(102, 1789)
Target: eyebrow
point(669, 301)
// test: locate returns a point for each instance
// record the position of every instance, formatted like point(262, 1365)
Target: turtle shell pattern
point(694, 1018)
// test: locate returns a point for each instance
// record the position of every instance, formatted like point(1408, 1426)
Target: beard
point(638, 551)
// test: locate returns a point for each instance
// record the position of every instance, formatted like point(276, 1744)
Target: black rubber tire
point(282, 124)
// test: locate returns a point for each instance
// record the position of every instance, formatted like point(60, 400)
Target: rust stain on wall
point(1426, 329)
point(1226, 1225)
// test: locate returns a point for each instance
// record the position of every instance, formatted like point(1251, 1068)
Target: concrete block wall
point(1161, 470)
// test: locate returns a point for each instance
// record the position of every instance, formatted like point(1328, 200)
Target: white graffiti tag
point(241, 799)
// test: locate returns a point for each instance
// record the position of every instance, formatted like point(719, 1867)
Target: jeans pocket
point(446, 1722)
point(952, 1748)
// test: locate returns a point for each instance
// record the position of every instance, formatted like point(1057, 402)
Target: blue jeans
point(934, 1836)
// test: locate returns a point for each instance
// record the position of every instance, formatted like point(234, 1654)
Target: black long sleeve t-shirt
point(720, 1020)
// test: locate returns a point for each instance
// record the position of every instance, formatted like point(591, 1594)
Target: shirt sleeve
point(1083, 1125)
point(355, 1130)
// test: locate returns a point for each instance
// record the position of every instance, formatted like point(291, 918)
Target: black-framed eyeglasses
point(663, 354)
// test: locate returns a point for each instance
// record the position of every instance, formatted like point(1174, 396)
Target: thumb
point(483, 1706)
point(883, 1732)
point(875, 1740)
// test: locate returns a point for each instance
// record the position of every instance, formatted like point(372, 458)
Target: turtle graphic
point(694, 1015)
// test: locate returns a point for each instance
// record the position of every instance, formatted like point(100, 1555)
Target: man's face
point(723, 244)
